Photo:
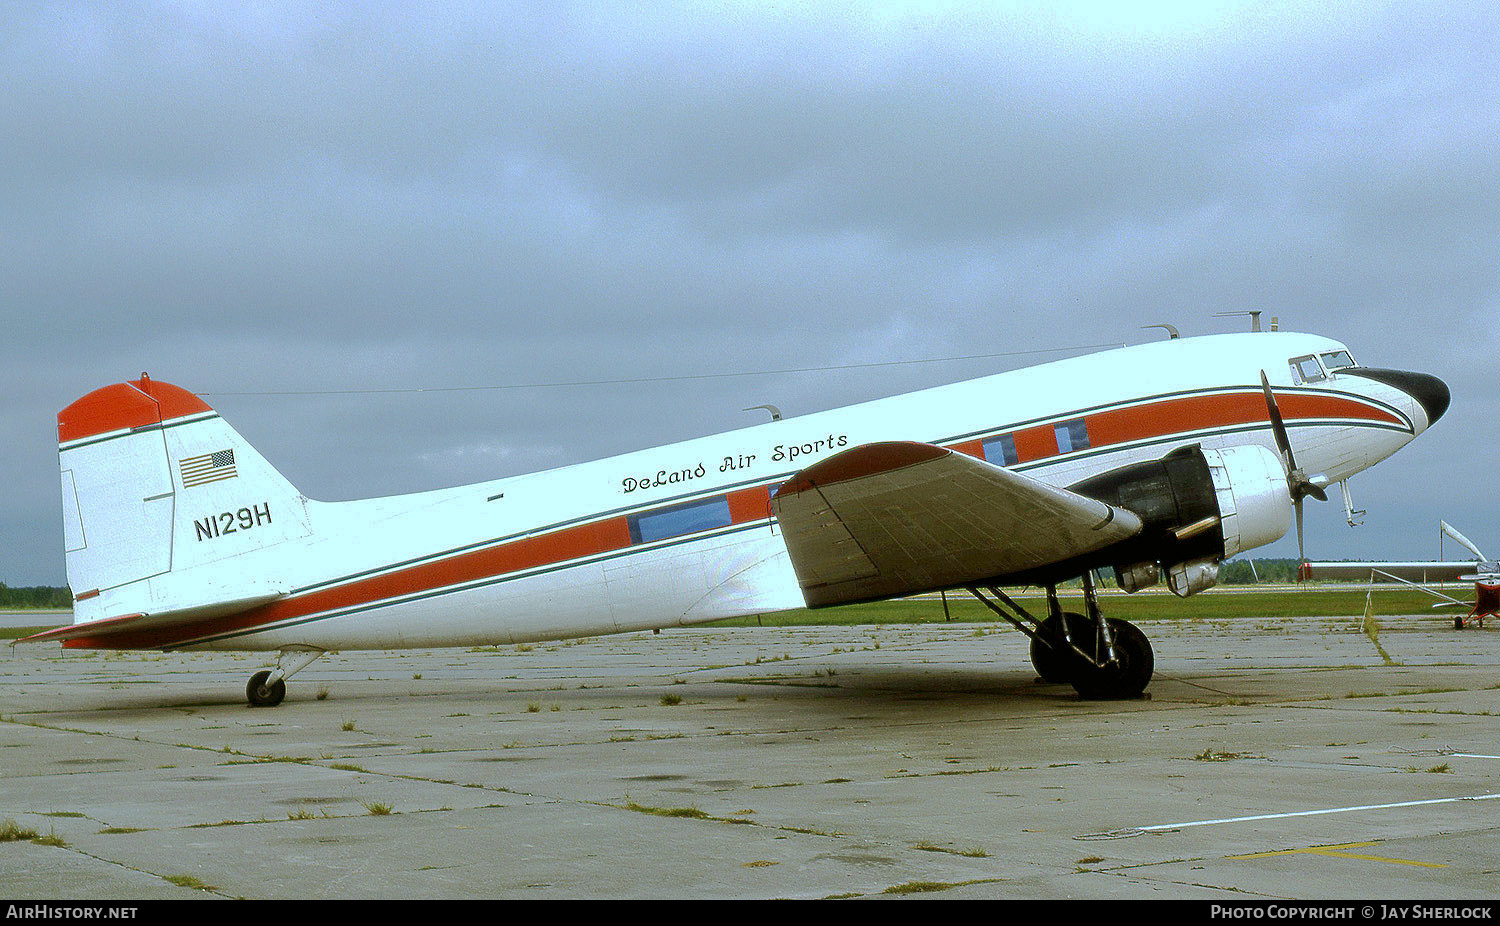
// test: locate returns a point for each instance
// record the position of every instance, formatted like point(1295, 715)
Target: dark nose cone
point(1429, 391)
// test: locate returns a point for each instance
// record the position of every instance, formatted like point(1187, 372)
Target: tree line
point(35, 596)
point(1254, 571)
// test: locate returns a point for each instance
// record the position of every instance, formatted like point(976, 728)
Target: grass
point(16, 633)
point(966, 853)
point(11, 831)
point(1208, 755)
point(1217, 602)
point(682, 813)
point(691, 813)
point(926, 887)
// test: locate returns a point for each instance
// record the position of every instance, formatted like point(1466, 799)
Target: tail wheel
point(1127, 676)
point(262, 695)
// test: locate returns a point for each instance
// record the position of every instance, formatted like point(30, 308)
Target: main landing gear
point(1102, 658)
point(268, 687)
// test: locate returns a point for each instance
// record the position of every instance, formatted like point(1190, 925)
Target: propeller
point(1299, 483)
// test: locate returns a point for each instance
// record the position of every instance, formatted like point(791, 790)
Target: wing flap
point(887, 519)
point(837, 557)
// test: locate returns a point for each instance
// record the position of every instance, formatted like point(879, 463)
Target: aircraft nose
point(1430, 392)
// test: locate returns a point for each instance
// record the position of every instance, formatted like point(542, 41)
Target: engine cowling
point(1255, 506)
point(1199, 506)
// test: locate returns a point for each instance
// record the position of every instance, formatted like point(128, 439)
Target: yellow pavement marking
point(1338, 852)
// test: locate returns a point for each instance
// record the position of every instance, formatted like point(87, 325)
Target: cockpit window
point(1337, 360)
point(1307, 370)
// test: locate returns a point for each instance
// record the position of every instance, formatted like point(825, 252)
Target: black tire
point(1057, 664)
point(1128, 677)
point(260, 694)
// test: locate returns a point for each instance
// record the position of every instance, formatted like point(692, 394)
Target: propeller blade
point(1301, 550)
point(1297, 481)
point(1278, 427)
point(1453, 532)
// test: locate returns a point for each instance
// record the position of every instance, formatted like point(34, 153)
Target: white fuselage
point(683, 533)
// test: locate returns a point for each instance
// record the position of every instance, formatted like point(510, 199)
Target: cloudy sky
point(339, 221)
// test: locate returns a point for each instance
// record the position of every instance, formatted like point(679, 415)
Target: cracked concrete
point(766, 762)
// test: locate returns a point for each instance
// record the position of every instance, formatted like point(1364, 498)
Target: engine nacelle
point(1198, 507)
point(1255, 506)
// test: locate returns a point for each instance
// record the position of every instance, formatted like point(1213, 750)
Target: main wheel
point(1125, 678)
point(1056, 663)
point(262, 695)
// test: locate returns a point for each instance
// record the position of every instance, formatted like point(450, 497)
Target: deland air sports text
point(779, 453)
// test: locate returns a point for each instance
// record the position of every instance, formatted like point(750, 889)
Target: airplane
point(1158, 460)
point(1482, 571)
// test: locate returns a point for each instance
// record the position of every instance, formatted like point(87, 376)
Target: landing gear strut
point(1102, 658)
point(267, 687)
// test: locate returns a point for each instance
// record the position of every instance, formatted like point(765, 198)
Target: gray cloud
point(323, 197)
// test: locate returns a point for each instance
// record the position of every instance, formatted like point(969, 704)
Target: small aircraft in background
point(1159, 461)
point(1482, 571)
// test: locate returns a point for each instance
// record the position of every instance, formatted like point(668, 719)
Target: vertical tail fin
point(158, 493)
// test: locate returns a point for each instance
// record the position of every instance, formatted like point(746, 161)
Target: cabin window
point(1072, 435)
point(676, 520)
point(1002, 450)
point(1337, 360)
point(1307, 370)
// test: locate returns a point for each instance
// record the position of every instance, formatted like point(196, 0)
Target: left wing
point(889, 519)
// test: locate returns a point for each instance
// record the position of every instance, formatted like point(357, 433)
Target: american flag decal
point(210, 467)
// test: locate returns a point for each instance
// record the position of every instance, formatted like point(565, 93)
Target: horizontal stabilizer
point(176, 618)
point(888, 519)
